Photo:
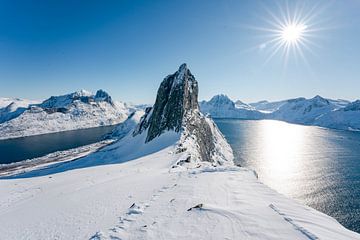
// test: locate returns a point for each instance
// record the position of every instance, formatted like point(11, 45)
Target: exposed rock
point(101, 95)
point(176, 109)
point(177, 94)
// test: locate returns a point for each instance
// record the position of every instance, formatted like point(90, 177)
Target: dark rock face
point(176, 108)
point(197, 126)
point(177, 94)
point(144, 122)
point(55, 110)
point(101, 95)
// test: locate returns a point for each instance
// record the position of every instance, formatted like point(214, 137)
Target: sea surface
point(315, 166)
point(14, 150)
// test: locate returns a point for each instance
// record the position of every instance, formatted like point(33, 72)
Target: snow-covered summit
point(242, 105)
point(302, 110)
point(221, 106)
point(76, 110)
point(221, 100)
point(64, 101)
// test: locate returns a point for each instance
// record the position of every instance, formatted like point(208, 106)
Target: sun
point(293, 33)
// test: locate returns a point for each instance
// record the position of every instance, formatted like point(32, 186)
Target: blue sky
point(128, 47)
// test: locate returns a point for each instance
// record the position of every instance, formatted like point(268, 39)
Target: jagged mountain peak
point(176, 95)
point(101, 95)
point(318, 98)
point(64, 101)
point(176, 109)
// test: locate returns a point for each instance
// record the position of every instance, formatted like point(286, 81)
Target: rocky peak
point(101, 95)
point(64, 101)
point(176, 95)
point(176, 109)
point(320, 100)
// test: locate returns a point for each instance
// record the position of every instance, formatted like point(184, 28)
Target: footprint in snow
point(136, 209)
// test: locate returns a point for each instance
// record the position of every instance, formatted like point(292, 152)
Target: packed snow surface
point(131, 190)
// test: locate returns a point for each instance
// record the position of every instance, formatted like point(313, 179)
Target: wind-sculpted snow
point(61, 113)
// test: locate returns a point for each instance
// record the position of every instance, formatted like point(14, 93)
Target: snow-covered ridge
point(77, 110)
point(338, 114)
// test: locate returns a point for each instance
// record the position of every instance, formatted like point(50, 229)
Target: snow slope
point(148, 199)
point(67, 112)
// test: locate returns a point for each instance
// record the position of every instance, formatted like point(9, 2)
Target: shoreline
point(12, 169)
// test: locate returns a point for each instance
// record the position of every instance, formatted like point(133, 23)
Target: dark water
point(318, 167)
point(14, 150)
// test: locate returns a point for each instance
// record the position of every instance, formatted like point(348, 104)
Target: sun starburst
point(290, 31)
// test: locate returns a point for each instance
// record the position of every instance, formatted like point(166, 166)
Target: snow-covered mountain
point(181, 183)
point(221, 106)
point(302, 110)
point(4, 102)
point(340, 103)
point(72, 111)
point(13, 107)
point(347, 118)
point(330, 113)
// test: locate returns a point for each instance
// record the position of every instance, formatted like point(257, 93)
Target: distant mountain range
point(319, 111)
point(77, 110)
point(82, 109)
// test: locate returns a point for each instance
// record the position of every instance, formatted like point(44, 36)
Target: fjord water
point(14, 150)
point(315, 166)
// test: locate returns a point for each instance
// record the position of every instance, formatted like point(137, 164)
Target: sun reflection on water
point(281, 147)
point(318, 167)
